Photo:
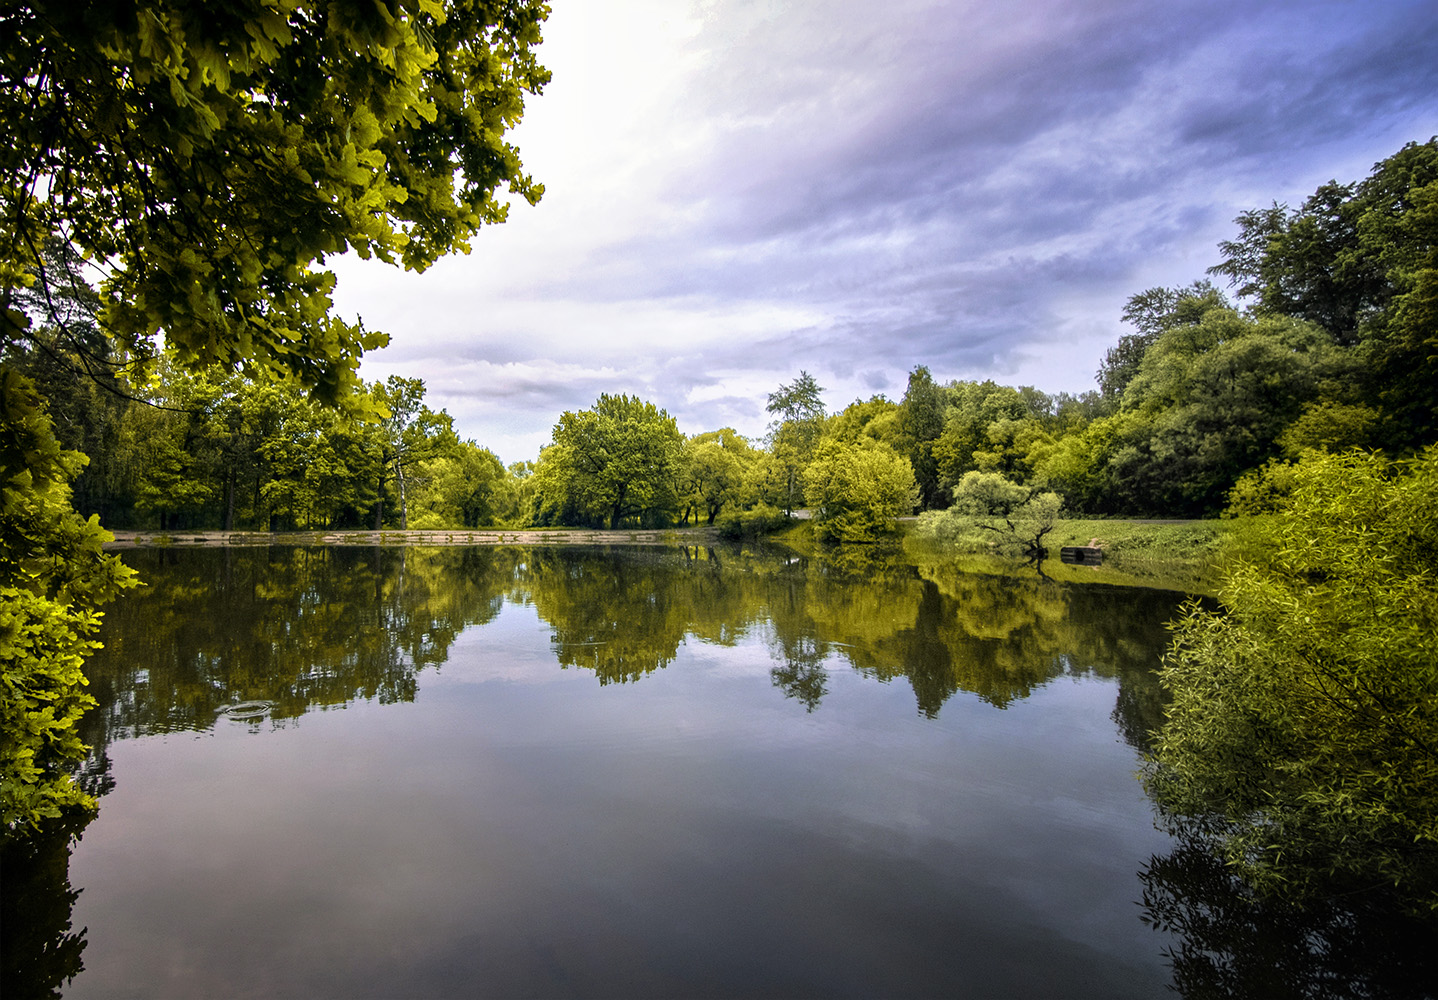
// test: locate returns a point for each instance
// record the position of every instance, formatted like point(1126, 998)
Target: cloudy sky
point(738, 189)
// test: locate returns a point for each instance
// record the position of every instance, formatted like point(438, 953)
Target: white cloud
point(736, 191)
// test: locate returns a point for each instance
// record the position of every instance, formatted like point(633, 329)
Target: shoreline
point(137, 539)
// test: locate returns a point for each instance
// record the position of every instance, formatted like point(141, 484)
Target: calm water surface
point(645, 772)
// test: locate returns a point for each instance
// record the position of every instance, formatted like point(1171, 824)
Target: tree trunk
point(230, 500)
point(403, 505)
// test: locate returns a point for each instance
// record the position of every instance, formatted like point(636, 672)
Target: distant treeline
point(1329, 342)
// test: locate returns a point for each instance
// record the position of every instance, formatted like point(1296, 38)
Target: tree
point(799, 409)
point(857, 490)
point(1361, 261)
point(1301, 737)
point(408, 432)
point(922, 419)
point(613, 461)
point(1211, 400)
point(467, 485)
point(990, 509)
point(717, 462)
point(975, 412)
point(1152, 313)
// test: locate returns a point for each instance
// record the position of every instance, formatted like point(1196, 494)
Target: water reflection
point(265, 635)
point(1230, 944)
point(281, 631)
point(258, 638)
point(40, 951)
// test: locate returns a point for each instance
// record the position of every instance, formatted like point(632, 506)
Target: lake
point(500, 771)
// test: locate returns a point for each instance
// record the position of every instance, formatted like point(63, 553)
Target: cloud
point(736, 191)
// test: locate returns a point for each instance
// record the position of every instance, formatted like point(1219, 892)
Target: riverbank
point(1168, 555)
point(395, 536)
point(1187, 555)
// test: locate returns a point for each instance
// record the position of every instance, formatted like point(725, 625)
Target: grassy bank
point(1172, 555)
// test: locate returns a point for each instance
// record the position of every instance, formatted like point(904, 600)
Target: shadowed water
point(643, 772)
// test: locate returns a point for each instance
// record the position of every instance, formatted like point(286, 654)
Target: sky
point(739, 191)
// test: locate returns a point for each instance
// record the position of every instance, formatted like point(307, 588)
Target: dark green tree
point(1361, 261)
point(616, 460)
point(922, 421)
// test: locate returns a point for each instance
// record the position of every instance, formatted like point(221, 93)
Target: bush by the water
point(1302, 736)
point(762, 520)
point(990, 511)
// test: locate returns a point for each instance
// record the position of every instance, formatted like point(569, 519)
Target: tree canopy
point(205, 160)
point(617, 459)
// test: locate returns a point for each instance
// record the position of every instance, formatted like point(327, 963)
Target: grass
point(1171, 555)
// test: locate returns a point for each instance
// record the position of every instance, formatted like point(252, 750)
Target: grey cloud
point(937, 180)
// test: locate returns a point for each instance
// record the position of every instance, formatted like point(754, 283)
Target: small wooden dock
point(1081, 555)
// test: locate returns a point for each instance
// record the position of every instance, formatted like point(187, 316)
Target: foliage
point(53, 579)
point(799, 409)
point(406, 434)
point(616, 460)
point(1328, 425)
point(752, 523)
point(1361, 261)
point(990, 428)
point(715, 471)
point(856, 491)
point(991, 509)
point(1152, 313)
point(468, 486)
point(1302, 736)
point(208, 161)
point(1210, 401)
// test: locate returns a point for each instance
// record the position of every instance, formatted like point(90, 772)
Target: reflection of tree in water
point(1230, 944)
point(802, 675)
point(301, 627)
point(296, 627)
point(620, 615)
point(40, 951)
point(624, 613)
point(999, 637)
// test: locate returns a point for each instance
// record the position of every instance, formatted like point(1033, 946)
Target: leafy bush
point(762, 520)
point(1302, 734)
point(857, 490)
point(991, 511)
point(53, 577)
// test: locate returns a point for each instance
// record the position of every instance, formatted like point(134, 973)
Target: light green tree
point(1301, 737)
point(210, 164)
point(715, 470)
point(465, 485)
point(53, 577)
point(857, 490)
point(407, 433)
point(993, 511)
